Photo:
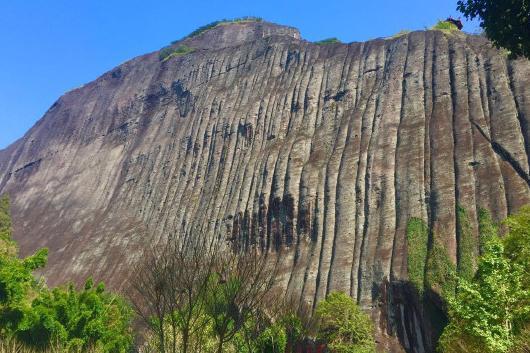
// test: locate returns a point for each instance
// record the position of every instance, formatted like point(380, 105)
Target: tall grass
point(11, 345)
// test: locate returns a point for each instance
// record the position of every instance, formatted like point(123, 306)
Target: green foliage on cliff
point(486, 227)
point(491, 311)
point(467, 247)
point(343, 325)
point(326, 41)
point(224, 21)
point(417, 241)
point(38, 317)
point(506, 23)
point(441, 272)
point(484, 312)
point(7, 245)
point(445, 26)
point(517, 242)
point(170, 52)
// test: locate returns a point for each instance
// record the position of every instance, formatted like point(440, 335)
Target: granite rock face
point(318, 154)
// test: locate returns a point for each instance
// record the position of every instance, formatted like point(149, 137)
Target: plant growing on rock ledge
point(214, 24)
point(417, 240)
point(326, 41)
point(170, 52)
point(445, 26)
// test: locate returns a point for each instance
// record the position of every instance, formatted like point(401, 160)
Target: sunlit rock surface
point(318, 154)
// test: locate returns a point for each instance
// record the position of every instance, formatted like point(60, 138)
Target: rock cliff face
point(319, 154)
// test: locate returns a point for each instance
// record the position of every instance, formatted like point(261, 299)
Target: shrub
point(483, 312)
point(441, 272)
point(486, 227)
point(445, 26)
point(417, 241)
point(490, 312)
point(326, 41)
point(400, 34)
point(343, 325)
point(7, 245)
point(37, 318)
point(170, 52)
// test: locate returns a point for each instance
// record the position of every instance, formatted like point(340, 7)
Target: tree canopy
point(490, 312)
point(506, 23)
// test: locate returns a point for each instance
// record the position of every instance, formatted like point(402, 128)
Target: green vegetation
point(486, 227)
point(505, 22)
point(445, 26)
point(326, 41)
point(170, 52)
point(400, 34)
point(7, 245)
point(35, 317)
point(491, 312)
point(343, 325)
point(467, 247)
point(441, 272)
point(417, 241)
point(214, 24)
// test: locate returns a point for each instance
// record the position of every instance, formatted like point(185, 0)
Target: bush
point(445, 26)
point(170, 52)
point(332, 40)
point(441, 272)
point(486, 227)
point(491, 311)
point(37, 318)
point(343, 325)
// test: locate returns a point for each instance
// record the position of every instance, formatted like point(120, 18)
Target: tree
point(237, 292)
point(343, 325)
point(16, 275)
point(506, 23)
point(491, 312)
point(483, 311)
point(169, 290)
point(85, 319)
point(31, 315)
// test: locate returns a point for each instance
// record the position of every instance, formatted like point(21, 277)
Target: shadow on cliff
point(416, 319)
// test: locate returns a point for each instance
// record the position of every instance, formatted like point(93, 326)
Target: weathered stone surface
point(319, 154)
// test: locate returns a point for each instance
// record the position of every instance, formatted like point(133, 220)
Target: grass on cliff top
point(328, 41)
point(214, 24)
point(169, 52)
point(399, 34)
point(446, 27)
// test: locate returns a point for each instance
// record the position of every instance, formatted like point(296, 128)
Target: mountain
point(319, 154)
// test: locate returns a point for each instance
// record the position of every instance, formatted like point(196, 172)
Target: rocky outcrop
point(318, 154)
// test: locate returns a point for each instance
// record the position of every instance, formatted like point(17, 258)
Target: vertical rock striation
point(318, 154)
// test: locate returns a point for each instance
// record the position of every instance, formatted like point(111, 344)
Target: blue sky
point(48, 47)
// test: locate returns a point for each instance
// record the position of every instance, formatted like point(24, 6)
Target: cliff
point(318, 154)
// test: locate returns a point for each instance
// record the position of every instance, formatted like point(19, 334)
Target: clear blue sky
point(48, 47)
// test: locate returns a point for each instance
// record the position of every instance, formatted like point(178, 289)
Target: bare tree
point(190, 287)
point(168, 289)
point(237, 292)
